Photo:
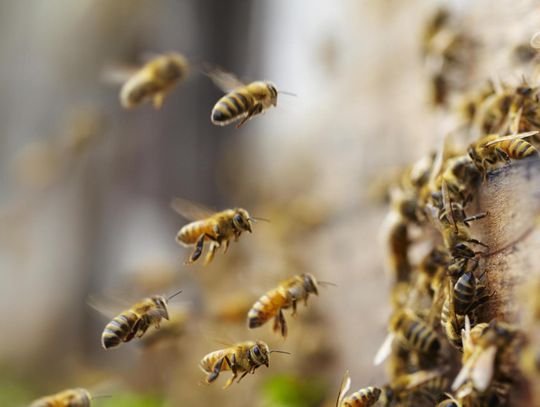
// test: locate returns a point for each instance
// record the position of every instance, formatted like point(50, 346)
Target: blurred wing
point(345, 386)
point(107, 307)
point(418, 378)
point(482, 373)
point(511, 137)
point(463, 374)
point(191, 210)
point(226, 81)
point(117, 74)
point(385, 349)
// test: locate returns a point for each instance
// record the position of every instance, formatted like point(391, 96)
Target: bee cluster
point(444, 325)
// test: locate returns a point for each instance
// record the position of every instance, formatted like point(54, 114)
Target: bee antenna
point(173, 295)
point(327, 283)
point(280, 351)
point(255, 219)
point(287, 93)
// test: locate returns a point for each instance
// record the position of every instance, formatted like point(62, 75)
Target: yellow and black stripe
point(452, 325)
point(518, 148)
point(362, 398)
point(120, 329)
point(232, 106)
point(266, 308)
point(416, 334)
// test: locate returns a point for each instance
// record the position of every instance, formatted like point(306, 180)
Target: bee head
point(241, 220)
point(273, 92)
point(461, 250)
point(259, 353)
point(83, 395)
point(473, 154)
point(161, 306)
point(310, 284)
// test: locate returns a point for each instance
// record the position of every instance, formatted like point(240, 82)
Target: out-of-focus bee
point(492, 149)
point(448, 401)
point(460, 176)
point(365, 397)
point(135, 321)
point(431, 271)
point(241, 101)
point(286, 295)
point(412, 333)
point(66, 398)
point(396, 231)
point(244, 357)
point(524, 53)
point(154, 80)
point(411, 386)
point(487, 349)
point(215, 227)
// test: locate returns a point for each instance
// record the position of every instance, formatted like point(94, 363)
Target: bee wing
point(345, 386)
point(385, 349)
point(463, 374)
point(511, 137)
point(483, 369)
point(447, 203)
point(107, 307)
point(224, 80)
point(191, 210)
point(418, 378)
point(117, 74)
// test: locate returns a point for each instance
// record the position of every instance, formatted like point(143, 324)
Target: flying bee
point(487, 348)
point(135, 321)
point(154, 80)
point(286, 295)
point(216, 227)
point(241, 101)
point(244, 357)
point(66, 398)
point(365, 397)
point(492, 149)
point(412, 333)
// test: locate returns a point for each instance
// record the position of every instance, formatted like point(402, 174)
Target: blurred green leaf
point(293, 391)
point(130, 400)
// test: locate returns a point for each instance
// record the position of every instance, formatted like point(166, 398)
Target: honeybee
point(406, 387)
point(286, 295)
point(135, 321)
point(215, 227)
point(412, 333)
point(431, 270)
point(154, 80)
point(397, 231)
point(242, 101)
point(491, 149)
point(365, 397)
point(486, 349)
point(66, 398)
point(243, 357)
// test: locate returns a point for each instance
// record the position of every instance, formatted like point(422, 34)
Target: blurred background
point(92, 222)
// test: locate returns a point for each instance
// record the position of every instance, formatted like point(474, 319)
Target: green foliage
point(293, 391)
point(130, 400)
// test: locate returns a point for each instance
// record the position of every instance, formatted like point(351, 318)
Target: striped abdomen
point(517, 148)
point(232, 106)
point(267, 307)
point(67, 398)
point(416, 334)
point(192, 231)
point(120, 329)
point(464, 293)
point(208, 362)
point(362, 398)
point(452, 326)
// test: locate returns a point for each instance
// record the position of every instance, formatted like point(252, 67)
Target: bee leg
point(283, 323)
point(233, 369)
point(256, 109)
point(226, 246)
point(217, 369)
point(475, 217)
point(293, 308)
point(503, 155)
point(243, 375)
point(158, 100)
point(478, 243)
point(211, 252)
point(199, 247)
point(143, 327)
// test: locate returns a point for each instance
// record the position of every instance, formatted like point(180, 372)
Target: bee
point(426, 383)
point(397, 235)
point(448, 401)
point(135, 321)
point(431, 270)
point(241, 101)
point(365, 397)
point(412, 333)
point(487, 348)
point(66, 398)
point(243, 357)
point(492, 149)
point(286, 295)
point(154, 80)
point(216, 227)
